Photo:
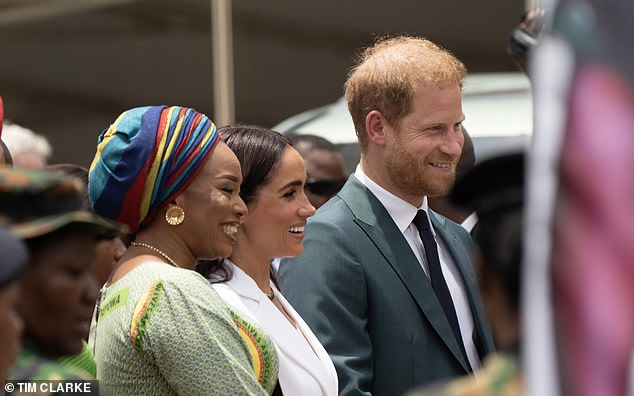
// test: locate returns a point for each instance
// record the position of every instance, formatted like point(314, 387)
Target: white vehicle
point(498, 108)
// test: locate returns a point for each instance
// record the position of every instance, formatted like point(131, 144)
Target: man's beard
point(408, 172)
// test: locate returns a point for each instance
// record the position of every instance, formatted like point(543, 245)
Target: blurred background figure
point(5, 155)
point(58, 290)
point(525, 37)
point(109, 248)
point(12, 264)
point(442, 205)
point(494, 189)
point(28, 149)
point(579, 299)
point(325, 169)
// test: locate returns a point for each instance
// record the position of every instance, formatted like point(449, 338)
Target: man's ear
point(375, 125)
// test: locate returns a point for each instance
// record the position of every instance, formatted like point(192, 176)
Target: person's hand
point(532, 22)
point(525, 36)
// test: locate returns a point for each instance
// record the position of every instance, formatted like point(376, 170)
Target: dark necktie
point(435, 274)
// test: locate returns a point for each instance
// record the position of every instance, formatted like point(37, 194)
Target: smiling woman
point(273, 189)
point(165, 173)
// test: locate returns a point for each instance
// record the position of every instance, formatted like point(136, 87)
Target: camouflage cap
point(35, 203)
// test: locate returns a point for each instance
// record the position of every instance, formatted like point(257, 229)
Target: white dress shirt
point(470, 222)
point(403, 214)
point(305, 366)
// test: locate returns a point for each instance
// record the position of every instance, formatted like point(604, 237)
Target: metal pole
point(222, 61)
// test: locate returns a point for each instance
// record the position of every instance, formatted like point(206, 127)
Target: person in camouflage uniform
point(58, 290)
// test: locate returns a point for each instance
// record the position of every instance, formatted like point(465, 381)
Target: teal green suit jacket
point(362, 291)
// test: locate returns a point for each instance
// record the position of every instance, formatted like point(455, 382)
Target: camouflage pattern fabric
point(32, 366)
point(34, 203)
point(84, 362)
point(499, 376)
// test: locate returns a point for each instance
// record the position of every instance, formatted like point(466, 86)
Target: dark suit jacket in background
point(362, 291)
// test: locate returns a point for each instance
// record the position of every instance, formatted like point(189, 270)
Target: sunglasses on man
point(324, 187)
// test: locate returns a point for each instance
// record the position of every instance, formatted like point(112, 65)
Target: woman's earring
point(174, 215)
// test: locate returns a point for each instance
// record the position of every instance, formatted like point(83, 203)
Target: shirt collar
point(401, 211)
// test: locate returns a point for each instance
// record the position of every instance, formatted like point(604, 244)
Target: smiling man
point(386, 284)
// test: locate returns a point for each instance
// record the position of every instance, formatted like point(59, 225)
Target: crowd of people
point(155, 271)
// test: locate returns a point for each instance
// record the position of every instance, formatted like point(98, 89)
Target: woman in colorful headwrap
point(273, 188)
point(161, 329)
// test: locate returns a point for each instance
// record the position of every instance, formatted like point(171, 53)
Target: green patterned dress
point(164, 331)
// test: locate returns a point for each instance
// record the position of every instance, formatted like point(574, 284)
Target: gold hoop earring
point(174, 215)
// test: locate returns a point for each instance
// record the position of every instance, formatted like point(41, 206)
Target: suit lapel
point(289, 341)
point(371, 216)
point(462, 260)
point(325, 369)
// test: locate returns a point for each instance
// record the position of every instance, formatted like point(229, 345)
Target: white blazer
point(305, 367)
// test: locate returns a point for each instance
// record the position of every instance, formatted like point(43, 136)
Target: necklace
point(270, 295)
point(159, 251)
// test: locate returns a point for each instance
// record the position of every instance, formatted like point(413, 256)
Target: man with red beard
point(386, 284)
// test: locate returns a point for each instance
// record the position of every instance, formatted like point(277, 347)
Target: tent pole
point(222, 61)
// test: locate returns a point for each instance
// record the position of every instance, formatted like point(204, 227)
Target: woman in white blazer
point(273, 189)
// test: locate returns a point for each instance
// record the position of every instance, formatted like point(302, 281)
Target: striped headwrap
point(145, 159)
